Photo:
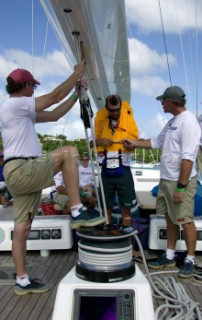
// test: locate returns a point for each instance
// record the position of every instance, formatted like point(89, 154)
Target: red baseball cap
point(22, 75)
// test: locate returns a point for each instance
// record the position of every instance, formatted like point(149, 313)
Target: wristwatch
point(181, 186)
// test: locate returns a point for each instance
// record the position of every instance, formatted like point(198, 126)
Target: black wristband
point(181, 186)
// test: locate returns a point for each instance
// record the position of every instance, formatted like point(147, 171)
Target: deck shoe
point(162, 262)
point(198, 277)
point(86, 218)
point(5, 205)
point(187, 270)
point(198, 274)
point(35, 286)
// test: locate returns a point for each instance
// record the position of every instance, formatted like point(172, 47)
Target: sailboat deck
point(51, 270)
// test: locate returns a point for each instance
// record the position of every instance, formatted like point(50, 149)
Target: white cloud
point(176, 15)
point(72, 129)
point(153, 127)
point(144, 60)
point(53, 65)
point(148, 85)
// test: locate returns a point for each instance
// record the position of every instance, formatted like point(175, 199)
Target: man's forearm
point(185, 171)
point(143, 143)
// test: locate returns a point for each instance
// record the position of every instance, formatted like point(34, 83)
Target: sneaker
point(198, 274)
point(93, 212)
point(162, 262)
point(5, 205)
point(36, 286)
point(187, 270)
point(86, 219)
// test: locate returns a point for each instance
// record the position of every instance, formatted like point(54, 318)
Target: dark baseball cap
point(22, 75)
point(173, 92)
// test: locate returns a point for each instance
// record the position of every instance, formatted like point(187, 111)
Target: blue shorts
point(123, 186)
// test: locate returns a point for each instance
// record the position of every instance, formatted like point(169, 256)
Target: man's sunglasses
point(114, 110)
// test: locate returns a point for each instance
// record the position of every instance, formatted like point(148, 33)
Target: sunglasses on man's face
point(114, 110)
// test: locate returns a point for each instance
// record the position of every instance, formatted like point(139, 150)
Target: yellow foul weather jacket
point(126, 127)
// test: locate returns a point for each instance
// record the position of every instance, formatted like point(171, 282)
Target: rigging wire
point(134, 43)
point(164, 39)
point(60, 143)
point(142, 62)
point(45, 41)
point(191, 60)
point(33, 36)
point(44, 51)
point(183, 59)
point(140, 56)
point(196, 20)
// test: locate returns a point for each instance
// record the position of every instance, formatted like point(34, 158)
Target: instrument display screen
point(104, 304)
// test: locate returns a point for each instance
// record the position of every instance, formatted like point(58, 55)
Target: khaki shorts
point(61, 199)
point(179, 213)
point(25, 180)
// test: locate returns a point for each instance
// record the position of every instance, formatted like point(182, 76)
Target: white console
point(47, 233)
point(80, 299)
point(158, 238)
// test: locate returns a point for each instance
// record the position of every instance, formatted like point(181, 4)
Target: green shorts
point(179, 213)
point(123, 186)
point(61, 199)
point(25, 180)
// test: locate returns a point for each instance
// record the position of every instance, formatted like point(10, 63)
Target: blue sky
point(182, 21)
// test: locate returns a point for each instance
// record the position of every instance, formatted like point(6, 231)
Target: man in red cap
point(22, 76)
point(27, 171)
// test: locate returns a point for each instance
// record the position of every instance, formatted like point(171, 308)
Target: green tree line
point(50, 143)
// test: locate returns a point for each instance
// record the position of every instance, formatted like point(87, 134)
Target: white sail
point(96, 31)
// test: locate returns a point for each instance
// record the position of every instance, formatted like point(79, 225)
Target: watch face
point(180, 185)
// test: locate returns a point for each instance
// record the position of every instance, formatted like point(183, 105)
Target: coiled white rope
point(178, 305)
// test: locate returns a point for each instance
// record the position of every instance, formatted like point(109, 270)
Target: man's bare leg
point(109, 215)
point(190, 237)
point(66, 159)
point(126, 217)
point(21, 232)
point(172, 233)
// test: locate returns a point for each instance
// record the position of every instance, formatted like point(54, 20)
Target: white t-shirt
point(18, 117)
point(85, 175)
point(178, 140)
point(58, 178)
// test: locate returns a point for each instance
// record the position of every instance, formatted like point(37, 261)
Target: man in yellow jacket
point(114, 123)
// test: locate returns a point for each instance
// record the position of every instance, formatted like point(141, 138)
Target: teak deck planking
point(51, 270)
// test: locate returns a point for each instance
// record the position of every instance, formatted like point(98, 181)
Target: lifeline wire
point(178, 305)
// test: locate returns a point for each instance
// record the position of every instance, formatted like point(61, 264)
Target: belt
point(18, 158)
